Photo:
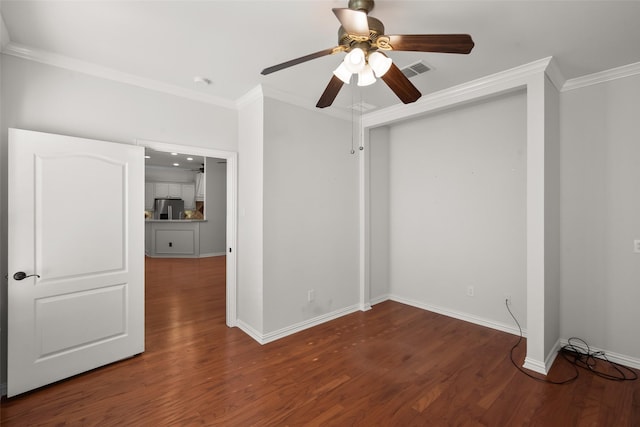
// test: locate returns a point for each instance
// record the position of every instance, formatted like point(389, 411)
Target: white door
point(76, 221)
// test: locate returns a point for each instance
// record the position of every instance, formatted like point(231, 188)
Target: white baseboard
point(249, 331)
point(379, 299)
point(301, 326)
point(535, 366)
point(461, 316)
point(212, 254)
point(543, 367)
point(621, 359)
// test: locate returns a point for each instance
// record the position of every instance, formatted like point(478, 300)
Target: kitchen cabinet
point(165, 190)
point(189, 196)
point(149, 196)
point(172, 239)
point(200, 183)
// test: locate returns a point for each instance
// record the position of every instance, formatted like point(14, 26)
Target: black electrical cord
point(583, 357)
point(578, 356)
point(543, 380)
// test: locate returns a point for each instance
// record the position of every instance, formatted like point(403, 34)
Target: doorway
point(219, 157)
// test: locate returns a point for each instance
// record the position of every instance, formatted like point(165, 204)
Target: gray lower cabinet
point(173, 239)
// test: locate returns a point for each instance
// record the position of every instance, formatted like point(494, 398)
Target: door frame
point(232, 196)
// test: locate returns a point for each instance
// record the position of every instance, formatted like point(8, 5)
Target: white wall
point(310, 215)
point(600, 156)
point(379, 200)
point(458, 209)
point(213, 232)
point(49, 99)
point(250, 224)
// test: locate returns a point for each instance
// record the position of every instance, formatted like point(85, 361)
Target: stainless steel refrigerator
point(168, 209)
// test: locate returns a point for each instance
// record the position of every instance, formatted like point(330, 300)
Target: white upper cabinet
point(189, 196)
point(149, 196)
point(167, 189)
point(200, 186)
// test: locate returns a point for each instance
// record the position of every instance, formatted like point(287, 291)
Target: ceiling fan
point(362, 38)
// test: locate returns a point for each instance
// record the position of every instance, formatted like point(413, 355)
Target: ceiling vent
point(414, 69)
point(362, 107)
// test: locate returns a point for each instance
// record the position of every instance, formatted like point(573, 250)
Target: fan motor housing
point(363, 5)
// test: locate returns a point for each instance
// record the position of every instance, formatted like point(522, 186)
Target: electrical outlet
point(507, 298)
point(636, 246)
point(470, 291)
point(311, 295)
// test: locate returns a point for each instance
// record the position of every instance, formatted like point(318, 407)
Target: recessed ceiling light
point(189, 158)
point(147, 157)
point(174, 154)
point(176, 164)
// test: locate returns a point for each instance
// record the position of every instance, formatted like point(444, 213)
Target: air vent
point(414, 69)
point(362, 107)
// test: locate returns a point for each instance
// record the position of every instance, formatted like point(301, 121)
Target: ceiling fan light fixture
point(355, 60)
point(380, 63)
point(343, 73)
point(366, 77)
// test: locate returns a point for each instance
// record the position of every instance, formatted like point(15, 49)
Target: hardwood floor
point(393, 365)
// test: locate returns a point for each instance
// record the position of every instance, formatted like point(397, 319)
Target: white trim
point(535, 366)
point(603, 76)
point(488, 323)
point(551, 357)
point(61, 61)
point(232, 190)
point(247, 329)
point(212, 254)
point(621, 359)
point(298, 327)
point(474, 90)
point(555, 75)
point(255, 94)
point(379, 299)
point(306, 103)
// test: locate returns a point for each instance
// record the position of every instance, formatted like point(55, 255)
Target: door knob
point(21, 275)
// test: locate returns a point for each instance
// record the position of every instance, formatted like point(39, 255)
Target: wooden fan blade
point(330, 93)
point(297, 61)
point(354, 22)
point(443, 43)
point(400, 85)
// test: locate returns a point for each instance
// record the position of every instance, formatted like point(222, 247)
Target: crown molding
point(61, 61)
point(305, 103)
point(503, 81)
point(555, 75)
point(250, 97)
point(601, 77)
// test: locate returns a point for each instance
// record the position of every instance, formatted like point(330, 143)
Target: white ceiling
point(230, 42)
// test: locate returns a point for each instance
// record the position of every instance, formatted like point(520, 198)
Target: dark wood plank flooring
point(394, 365)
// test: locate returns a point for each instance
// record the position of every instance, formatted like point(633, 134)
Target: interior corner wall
point(458, 209)
point(44, 98)
point(379, 210)
point(250, 299)
point(600, 215)
point(311, 216)
point(551, 219)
